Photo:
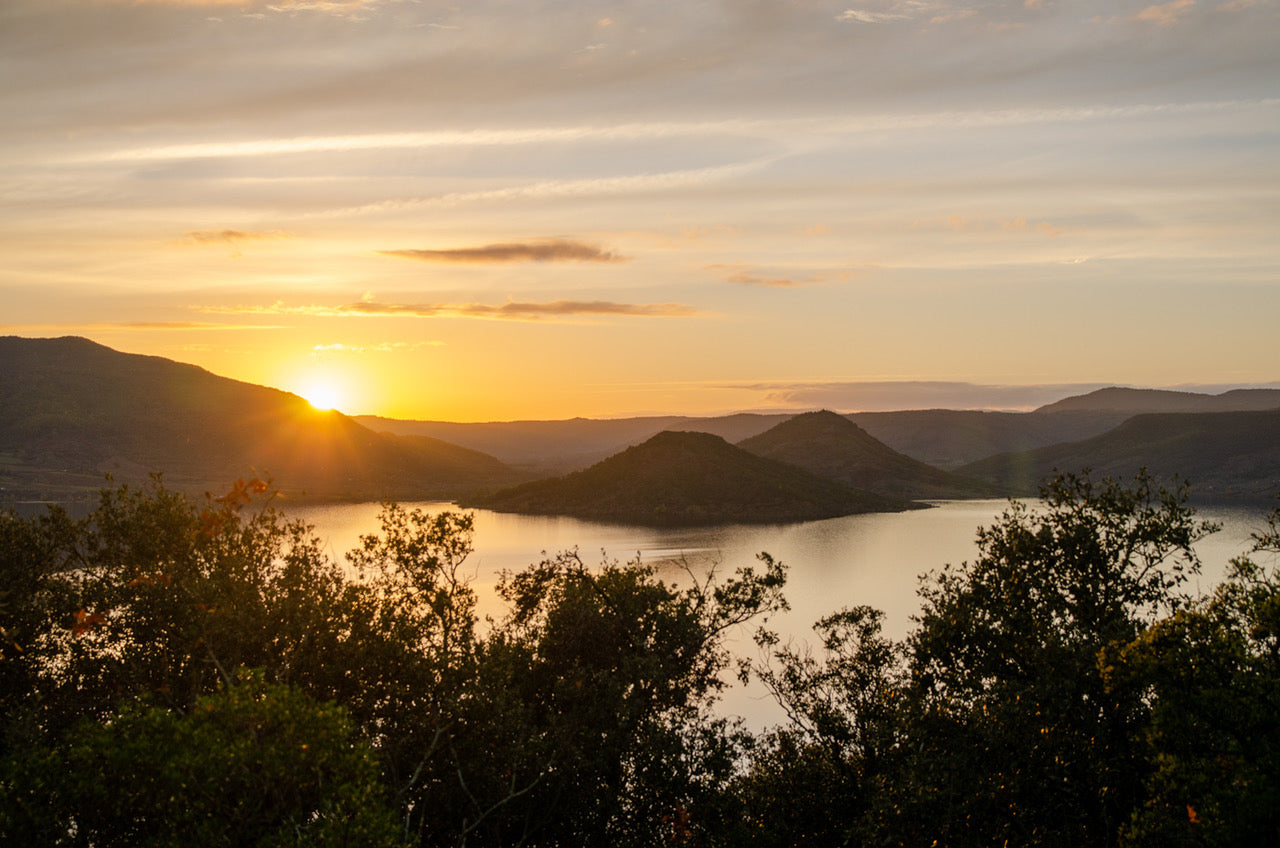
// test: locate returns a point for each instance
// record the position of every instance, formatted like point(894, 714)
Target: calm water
point(862, 559)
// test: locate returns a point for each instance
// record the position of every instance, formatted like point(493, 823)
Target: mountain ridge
point(688, 479)
point(72, 410)
point(1226, 456)
point(833, 446)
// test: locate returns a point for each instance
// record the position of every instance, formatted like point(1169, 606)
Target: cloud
point(963, 224)
point(549, 250)
point(706, 233)
point(1165, 14)
point(184, 326)
point(738, 274)
point(338, 6)
point(864, 17)
point(885, 396)
point(768, 282)
point(743, 275)
point(383, 347)
point(936, 11)
point(524, 311)
point(511, 310)
point(229, 236)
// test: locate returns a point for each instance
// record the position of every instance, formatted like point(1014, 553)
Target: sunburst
point(322, 394)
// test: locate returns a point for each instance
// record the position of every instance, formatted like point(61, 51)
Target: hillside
point(557, 447)
point(682, 478)
point(72, 410)
point(950, 438)
point(832, 446)
point(1138, 401)
point(1227, 456)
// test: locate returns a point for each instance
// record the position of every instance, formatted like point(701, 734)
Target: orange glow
point(322, 393)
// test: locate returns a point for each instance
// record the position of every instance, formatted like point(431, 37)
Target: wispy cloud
point(936, 11)
point(184, 326)
point(743, 276)
point(512, 310)
point(1165, 14)
point(332, 6)
point(964, 223)
point(429, 139)
point(864, 17)
point(546, 250)
point(229, 236)
point(889, 395)
point(384, 347)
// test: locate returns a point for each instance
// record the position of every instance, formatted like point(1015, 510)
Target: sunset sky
point(501, 210)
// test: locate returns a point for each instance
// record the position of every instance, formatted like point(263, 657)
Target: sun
point(322, 394)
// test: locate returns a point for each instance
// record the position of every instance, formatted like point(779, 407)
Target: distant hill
point(1137, 401)
point(944, 438)
point(832, 446)
point(556, 447)
point(683, 478)
point(1226, 456)
point(72, 410)
point(950, 438)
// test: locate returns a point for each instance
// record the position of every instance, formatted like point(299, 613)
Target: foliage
point(125, 623)
point(810, 783)
point(32, 597)
point(604, 678)
point(1009, 733)
point(1212, 672)
point(252, 764)
point(1061, 689)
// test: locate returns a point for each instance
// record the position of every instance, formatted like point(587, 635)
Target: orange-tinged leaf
point(86, 621)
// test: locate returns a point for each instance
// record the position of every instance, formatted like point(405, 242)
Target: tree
point(253, 764)
point(1212, 673)
point(415, 654)
point(600, 683)
point(33, 597)
point(1010, 733)
point(811, 781)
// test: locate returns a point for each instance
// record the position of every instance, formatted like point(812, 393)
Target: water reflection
point(862, 559)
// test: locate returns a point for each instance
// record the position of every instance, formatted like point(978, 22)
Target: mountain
point(557, 447)
point(683, 478)
point(950, 438)
point(1137, 401)
point(832, 446)
point(944, 438)
point(72, 410)
point(1226, 456)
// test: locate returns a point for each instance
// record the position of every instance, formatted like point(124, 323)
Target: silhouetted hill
point(1225, 455)
point(556, 447)
point(950, 438)
point(1137, 401)
point(71, 410)
point(832, 446)
point(682, 478)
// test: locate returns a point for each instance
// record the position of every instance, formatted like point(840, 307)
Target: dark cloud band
point(551, 250)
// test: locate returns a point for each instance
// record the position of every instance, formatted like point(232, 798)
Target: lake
point(874, 559)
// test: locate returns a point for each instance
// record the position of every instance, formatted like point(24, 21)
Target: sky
point(504, 210)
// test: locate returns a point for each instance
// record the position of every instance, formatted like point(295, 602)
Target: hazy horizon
point(537, 211)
